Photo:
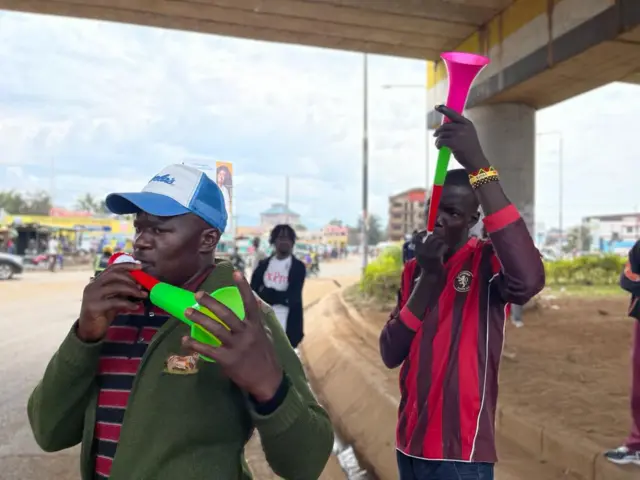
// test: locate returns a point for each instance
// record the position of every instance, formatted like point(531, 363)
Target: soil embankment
point(537, 437)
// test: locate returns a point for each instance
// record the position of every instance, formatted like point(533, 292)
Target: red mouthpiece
point(144, 279)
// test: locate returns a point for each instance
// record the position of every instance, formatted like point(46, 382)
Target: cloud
point(95, 99)
point(99, 107)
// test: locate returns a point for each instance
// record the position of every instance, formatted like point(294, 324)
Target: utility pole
point(365, 163)
point(427, 142)
point(560, 187)
point(286, 197)
point(52, 182)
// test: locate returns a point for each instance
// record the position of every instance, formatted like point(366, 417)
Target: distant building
point(278, 213)
point(406, 213)
point(613, 233)
point(335, 235)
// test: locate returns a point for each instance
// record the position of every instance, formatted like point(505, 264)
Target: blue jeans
point(417, 469)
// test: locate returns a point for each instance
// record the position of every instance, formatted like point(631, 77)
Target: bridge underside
point(407, 28)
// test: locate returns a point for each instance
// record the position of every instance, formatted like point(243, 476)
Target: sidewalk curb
point(329, 373)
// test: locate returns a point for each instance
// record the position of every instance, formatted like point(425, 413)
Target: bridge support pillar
point(507, 134)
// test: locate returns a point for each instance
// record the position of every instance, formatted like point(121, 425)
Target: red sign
point(417, 196)
point(61, 212)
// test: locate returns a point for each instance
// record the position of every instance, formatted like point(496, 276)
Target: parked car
point(10, 265)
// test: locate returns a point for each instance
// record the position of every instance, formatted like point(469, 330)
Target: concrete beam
point(475, 12)
point(97, 11)
point(409, 28)
point(583, 49)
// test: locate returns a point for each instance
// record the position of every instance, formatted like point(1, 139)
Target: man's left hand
point(247, 355)
point(461, 137)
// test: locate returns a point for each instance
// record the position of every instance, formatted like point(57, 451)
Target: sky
point(88, 106)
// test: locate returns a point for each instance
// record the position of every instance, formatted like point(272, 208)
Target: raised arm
point(419, 291)
point(521, 271)
point(521, 268)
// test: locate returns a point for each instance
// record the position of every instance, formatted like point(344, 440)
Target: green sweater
point(182, 426)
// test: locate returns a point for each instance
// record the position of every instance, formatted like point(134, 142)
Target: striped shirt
point(124, 346)
point(449, 378)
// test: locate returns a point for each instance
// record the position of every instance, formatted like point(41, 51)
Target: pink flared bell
point(462, 70)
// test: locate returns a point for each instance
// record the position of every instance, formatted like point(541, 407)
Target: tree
point(12, 202)
point(38, 203)
point(375, 233)
point(577, 238)
point(335, 222)
point(88, 203)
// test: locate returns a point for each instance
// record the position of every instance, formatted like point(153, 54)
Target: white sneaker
point(623, 456)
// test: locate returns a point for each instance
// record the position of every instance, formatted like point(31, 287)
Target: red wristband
point(500, 219)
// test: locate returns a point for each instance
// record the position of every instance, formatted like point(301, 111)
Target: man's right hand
point(113, 291)
point(430, 252)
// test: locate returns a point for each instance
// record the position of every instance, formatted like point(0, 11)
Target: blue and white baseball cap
point(176, 190)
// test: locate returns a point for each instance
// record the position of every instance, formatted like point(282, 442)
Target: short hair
point(458, 177)
point(282, 228)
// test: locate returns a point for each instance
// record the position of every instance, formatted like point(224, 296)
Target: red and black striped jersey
point(449, 378)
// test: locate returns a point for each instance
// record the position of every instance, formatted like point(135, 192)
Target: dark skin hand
point(113, 291)
point(247, 355)
point(461, 137)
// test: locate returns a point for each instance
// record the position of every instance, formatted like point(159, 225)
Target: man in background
point(629, 453)
point(279, 280)
point(52, 252)
point(408, 248)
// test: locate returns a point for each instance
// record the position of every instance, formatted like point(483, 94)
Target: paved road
point(36, 312)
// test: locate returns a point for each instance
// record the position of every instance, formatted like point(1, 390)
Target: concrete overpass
point(543, 51)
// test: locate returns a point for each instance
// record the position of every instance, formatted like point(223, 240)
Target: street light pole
point(427, 142)
point(286, 197)
point(365, 162)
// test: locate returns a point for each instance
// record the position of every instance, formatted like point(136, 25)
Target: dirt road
point(36, 312)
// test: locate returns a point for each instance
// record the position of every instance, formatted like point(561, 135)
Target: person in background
point(237, 261)
point(128, 382)
point(62, 246)
point(408, 247)
point(447, 328)
point(629, 453)
point(53, 246)
point(258, 254)
point(102, 260)
point(279, 280)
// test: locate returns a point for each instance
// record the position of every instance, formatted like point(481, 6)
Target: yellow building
point(111, 225)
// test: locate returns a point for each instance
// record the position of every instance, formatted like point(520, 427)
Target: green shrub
point(585, 270)
point(382, 276)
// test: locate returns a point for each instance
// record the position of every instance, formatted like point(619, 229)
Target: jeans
point(516, 313)
point(633, 442)
point(418, 469)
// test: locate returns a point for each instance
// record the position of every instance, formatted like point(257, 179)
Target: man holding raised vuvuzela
point(447, 328)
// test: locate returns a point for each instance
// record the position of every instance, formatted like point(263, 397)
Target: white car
point(10, 265)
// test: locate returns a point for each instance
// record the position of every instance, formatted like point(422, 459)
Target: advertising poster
point(224, 179)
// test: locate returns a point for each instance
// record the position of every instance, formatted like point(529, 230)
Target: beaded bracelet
point(483, 176)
